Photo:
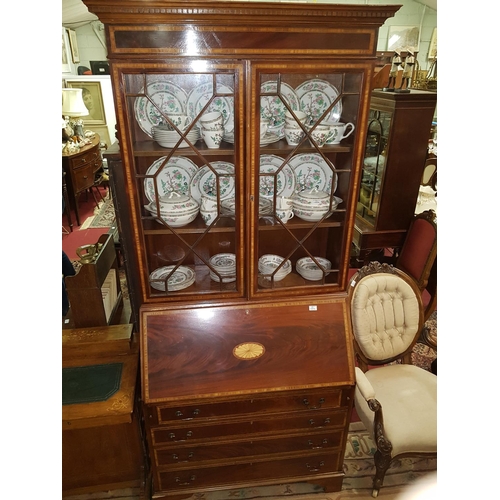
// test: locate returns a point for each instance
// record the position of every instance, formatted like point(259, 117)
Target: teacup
point(285, 215)
point(290, 120)
point(213, 120)
point(339, 131)
point(264, 124)
point(181, 121)
point(293, 135)
point(320, 135)
point(284, 203)
point(212, 138)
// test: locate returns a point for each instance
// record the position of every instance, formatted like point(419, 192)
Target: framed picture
point(92, 97)
point(433, 47)
point(403, 38)
point(74, 46)
point(66, 66)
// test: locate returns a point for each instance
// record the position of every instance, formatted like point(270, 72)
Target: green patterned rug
point(104, 215)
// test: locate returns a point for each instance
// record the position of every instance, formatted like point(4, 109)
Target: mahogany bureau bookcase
point(247, 372)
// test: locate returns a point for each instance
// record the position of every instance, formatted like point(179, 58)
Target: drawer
point(83, 177)
point(275, 470)
point(158, 415)
point(241, 449)
point(277, 424)
point(88, 157)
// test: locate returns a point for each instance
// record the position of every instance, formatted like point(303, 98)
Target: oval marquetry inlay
point(249, 350)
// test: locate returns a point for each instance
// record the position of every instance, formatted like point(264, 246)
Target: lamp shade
point(72, 103)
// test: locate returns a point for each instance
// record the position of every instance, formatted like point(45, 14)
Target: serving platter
point(203, 93)
point(285, 179)
point(168, 97)
point(176, 176)
point(312, 171)
point(204, 182)
point(272, 107)
point(315, 96)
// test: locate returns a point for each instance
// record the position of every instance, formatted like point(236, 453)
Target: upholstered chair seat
point(396, 401)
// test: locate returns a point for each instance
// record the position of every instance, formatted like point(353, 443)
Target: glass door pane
point(306, 130)
point(186, 174)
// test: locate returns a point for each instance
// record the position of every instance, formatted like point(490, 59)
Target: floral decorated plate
point(315, 96)
point(272, 107)
point(176, 176)
point(285, 179)
point(312, 171)
point(203, 93)
point(204, 182)
point(181, 278)
point(167, 96)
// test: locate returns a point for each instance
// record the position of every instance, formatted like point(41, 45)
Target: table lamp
point(73, 107)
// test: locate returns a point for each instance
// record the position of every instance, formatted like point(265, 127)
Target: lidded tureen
point(176, 209)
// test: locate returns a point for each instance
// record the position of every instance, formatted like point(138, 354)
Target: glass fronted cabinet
point(241, 129)
point(257, 202)
point(394, 157)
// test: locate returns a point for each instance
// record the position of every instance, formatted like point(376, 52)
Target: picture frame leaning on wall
point(66, 66)
point(74, 46)
point(92, 97)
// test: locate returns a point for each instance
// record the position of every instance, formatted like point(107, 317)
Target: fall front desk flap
point(242, 349)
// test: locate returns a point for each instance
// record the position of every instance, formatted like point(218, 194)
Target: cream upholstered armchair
point(396, 401)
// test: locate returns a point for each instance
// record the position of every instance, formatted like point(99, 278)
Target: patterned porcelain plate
point(316, 96)
point(180, 279)
point(285, 180)
point(312, 171)
point(167, 96)
point(176, 175)
point(272, 107)
point(204, 182)
point(201, 94)
point(223, 261)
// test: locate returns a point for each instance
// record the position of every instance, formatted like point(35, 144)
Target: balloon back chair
point(396, 401)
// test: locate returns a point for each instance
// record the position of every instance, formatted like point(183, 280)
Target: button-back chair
point(396, 401)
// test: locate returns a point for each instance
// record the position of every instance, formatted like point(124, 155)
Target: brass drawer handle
point(321, 402)
point(324, 442)
point(315, 468)
point(191, 479)
point(325, 422)
point(172, 436)
point(179, 414)
point(175, 457)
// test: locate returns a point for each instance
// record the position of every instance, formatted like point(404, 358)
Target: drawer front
point(312, 442)
point(83, 178)
point(277, 470)
point(89, 157)
point(309, 421)
point(160, 414)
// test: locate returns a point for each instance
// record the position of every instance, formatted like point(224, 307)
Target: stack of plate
point(180, 279)
point(309, 270)
point(268, 264)
point(229, 206)
point(225, 265)
point(169, 138)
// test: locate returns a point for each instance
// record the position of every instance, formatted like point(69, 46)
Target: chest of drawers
point(80, 171)
point(246, 395)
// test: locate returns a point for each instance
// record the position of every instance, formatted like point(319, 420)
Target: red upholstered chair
point(418, 257)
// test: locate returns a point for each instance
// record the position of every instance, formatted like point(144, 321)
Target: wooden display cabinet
point(250, 61)
point(396, 150)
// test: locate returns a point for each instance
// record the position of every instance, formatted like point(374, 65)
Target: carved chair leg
point(382, 463)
